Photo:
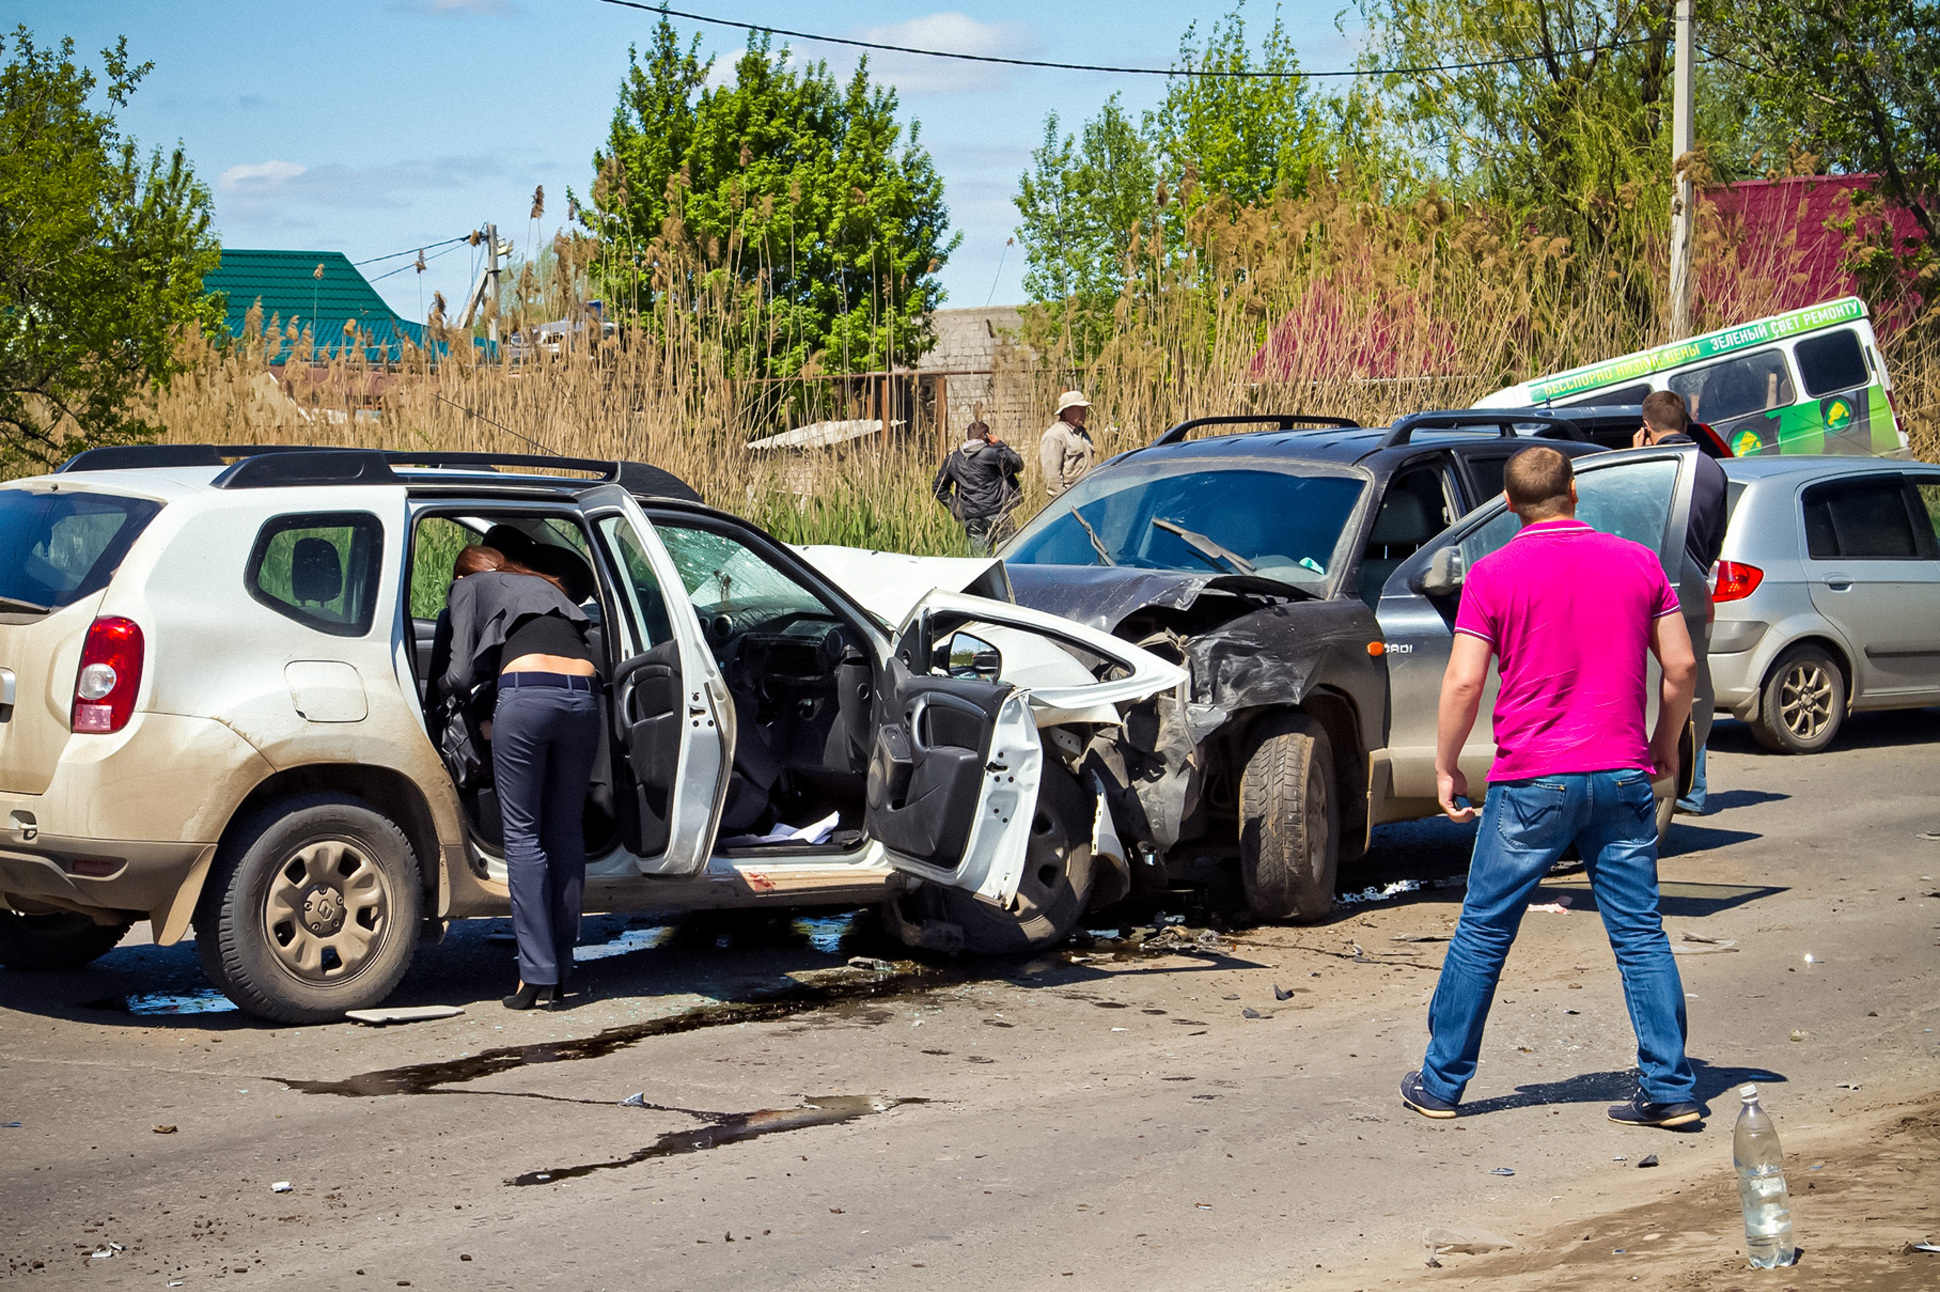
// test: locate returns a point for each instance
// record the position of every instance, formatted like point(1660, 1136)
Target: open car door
point(672, 724)
point(1641, 494)
point(956, 761)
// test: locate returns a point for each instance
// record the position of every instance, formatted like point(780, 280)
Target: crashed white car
point(212, 679)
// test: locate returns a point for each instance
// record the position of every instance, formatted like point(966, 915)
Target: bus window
point(1832, 362)
point(1749, 383)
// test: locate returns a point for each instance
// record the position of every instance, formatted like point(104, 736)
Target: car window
point(1831, 362)
point(722, 576)
point(1632, 501)
point(1859, 520)
point(1485, 471)
point(1413, 510)
point(320, 569)
point(1746, 383)
point(644, 597)
point(56, 548)
point(1283, 525)
point(1927, 489)
point(437, 545)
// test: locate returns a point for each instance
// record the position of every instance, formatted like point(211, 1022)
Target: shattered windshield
point(1274, 524)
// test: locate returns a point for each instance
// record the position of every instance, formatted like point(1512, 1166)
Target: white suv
point(212, 671)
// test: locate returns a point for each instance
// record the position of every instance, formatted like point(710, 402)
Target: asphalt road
point(1105, 1117)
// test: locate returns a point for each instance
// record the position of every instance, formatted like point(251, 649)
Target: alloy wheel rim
point(1805, 700)
point(327, 910)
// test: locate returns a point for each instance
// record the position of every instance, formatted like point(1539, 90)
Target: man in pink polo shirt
point(1571, 614)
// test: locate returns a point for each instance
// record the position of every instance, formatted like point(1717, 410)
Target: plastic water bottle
point(1761, 1185)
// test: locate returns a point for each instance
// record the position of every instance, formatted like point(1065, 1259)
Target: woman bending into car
point(512, 621)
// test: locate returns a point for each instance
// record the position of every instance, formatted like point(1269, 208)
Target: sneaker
point(1641, 1112)
point(1416, 1097)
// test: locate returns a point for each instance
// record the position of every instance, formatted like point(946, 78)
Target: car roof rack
point(1504, 420)
point(270, 465)
point(1283, 421)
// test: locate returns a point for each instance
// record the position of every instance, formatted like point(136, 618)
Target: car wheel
point(1289, 823)
point(311, 911)
point(1803, 703)
point(62, 940)
point(1053, 894)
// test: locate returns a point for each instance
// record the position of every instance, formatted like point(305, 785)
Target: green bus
point(1806, 381)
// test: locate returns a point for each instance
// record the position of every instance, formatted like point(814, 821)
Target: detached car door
point(956, 760)
point(1643, 495)
point(671, 722)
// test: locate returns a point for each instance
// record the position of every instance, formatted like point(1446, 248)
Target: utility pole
point(491, 254)
point(1684, 199)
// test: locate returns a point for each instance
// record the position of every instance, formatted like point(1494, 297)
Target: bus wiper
point(1199, 543)
point(31, 607)
point(1097, 543)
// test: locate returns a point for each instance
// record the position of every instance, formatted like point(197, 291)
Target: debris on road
point(1281, 993)
point(1920, 1247)
point(1467, 1242)
point(1503, 1170)
point(402, 1014)
point(10, 1125)
point(1799, 1035)
point(638, 1099)
point(871, 963)
point(164, 1130)
point(105, 1252)
point(281, 1186)
point(1561, 906)
point(1647, 1161)
point(1250, 1012)
point(1370, 894)
point(1419, 937)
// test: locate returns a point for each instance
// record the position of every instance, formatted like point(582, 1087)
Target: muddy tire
point(1053, 894)
point(311, 910)
point(1289, 822)
point(1803, 702)
point(65, 940)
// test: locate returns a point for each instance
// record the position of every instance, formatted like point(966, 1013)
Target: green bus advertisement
point(1806, 381)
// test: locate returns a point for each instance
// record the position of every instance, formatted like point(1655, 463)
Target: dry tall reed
point(1321, 304)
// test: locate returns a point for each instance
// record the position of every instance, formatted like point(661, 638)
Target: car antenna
point(508, 430)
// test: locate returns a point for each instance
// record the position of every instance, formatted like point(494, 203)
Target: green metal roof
point(287, 286)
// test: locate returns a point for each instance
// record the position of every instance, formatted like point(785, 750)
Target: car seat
point(316, 573)
point(1400, 528)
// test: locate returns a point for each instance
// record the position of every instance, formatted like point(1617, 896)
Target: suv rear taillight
point(1736, 581)
point(109, 677)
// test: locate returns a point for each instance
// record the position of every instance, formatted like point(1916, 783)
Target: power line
point(413, 251)
point(401, 268)
point(1259, 74)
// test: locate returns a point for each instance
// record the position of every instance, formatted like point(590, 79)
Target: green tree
point(814, 219)
point(1081, 202)
point(1243, 135)
point(102, 254)
point(1857, 81)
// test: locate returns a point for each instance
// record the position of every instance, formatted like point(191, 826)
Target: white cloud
point(259, 177)
point(914, 74)
point(275, 191)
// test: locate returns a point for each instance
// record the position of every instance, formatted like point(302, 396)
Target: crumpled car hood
point(1102, 596)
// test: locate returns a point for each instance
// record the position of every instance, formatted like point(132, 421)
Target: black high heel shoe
point(542, 995)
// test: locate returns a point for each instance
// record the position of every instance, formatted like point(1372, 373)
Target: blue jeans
point(1525, 827)
point(544, 741)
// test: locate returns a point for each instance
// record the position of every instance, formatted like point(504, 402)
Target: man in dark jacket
point(978, 483)
point(1668, 421)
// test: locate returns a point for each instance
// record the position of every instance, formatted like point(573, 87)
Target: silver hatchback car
point(1828, 594)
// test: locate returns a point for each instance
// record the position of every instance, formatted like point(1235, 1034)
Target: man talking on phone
point(1571, 615)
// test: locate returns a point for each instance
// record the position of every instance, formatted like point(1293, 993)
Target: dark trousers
point(987, 533)
point(543, 743)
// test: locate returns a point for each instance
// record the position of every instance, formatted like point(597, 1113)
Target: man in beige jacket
point(1065, 454)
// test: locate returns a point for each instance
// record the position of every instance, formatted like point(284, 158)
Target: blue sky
point(375, 126)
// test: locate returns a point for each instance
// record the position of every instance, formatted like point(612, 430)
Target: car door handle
point(1838, 582)
point(7, 685)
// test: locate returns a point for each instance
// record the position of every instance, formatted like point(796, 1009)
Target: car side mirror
point(967, 657)
point(1444, 574)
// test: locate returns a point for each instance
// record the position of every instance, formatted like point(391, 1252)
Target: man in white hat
point(1066, 452)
